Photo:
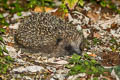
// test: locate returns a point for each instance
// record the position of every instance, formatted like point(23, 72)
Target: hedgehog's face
point(73, 48)
point(77, 44)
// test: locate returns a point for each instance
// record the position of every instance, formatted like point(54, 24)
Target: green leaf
point(86, 56)
point(117, 70)
point(96, 41)
point(4, 1)
point(3, 21)
point(1, 51)
point(1, 60)
point(32, 3)
point(89, 72)
point(75, 58)
point(95, 78)
point(86, 62)
point(72, 73)
point(113, 40)
point(100, 69)
point(19, 13)
point(81, 2)
point(94, 69)
point(77, 67)
point(83, 69)
point(103, 3)
point(93, 61)
point(64, 8)
point(8, 58)
point(1, 39)
point(113, 6)
point(71, 3)
point(2, 30)
point(5, 67)
point(5, 50)
point(105, 79)
point(1, 16)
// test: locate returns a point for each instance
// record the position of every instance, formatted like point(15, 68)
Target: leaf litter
point(102, 32)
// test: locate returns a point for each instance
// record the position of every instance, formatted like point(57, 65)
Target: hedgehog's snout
point(73, 49)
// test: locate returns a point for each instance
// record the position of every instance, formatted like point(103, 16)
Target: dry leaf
point(97, 35)
point(107, 78)
point(93, 16)
point(60, 13)
point(114, 26)
point(40, 9)
point(93, 55)
point(1, 26)
point(7, 30)
point(10, 44)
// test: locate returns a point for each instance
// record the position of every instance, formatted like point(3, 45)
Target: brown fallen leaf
point(107, 78)
point(1, 26)
point(60, 13)
point(7, 30)
point(40, 9)
point(97, 35)
point(10, 44)
point(108, 29)
point(93, 55)
point(114, 26)
point(110, 59)
point(93, 16)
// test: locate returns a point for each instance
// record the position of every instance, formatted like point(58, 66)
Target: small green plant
point(84, 64)
point(113, 41)
point(81, 2)
point(64, 9)
point(3, 21)
point(104, 3)
point(96, 41)
point(5, 60)
point(95, 78)
point(117, 70)
point(115, 45)
point(72, 3)
point(16, 6)
point(108, 4)
point(43, 3)
point(32, 3)
point(3, 4)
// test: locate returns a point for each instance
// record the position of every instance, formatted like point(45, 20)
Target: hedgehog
point(50, 35)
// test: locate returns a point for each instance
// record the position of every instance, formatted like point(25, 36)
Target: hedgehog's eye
point(68, 48)
point(58, 41)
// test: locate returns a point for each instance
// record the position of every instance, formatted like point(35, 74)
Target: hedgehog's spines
point(44, 32)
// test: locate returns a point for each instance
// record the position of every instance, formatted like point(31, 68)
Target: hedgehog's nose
point(78, 51)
